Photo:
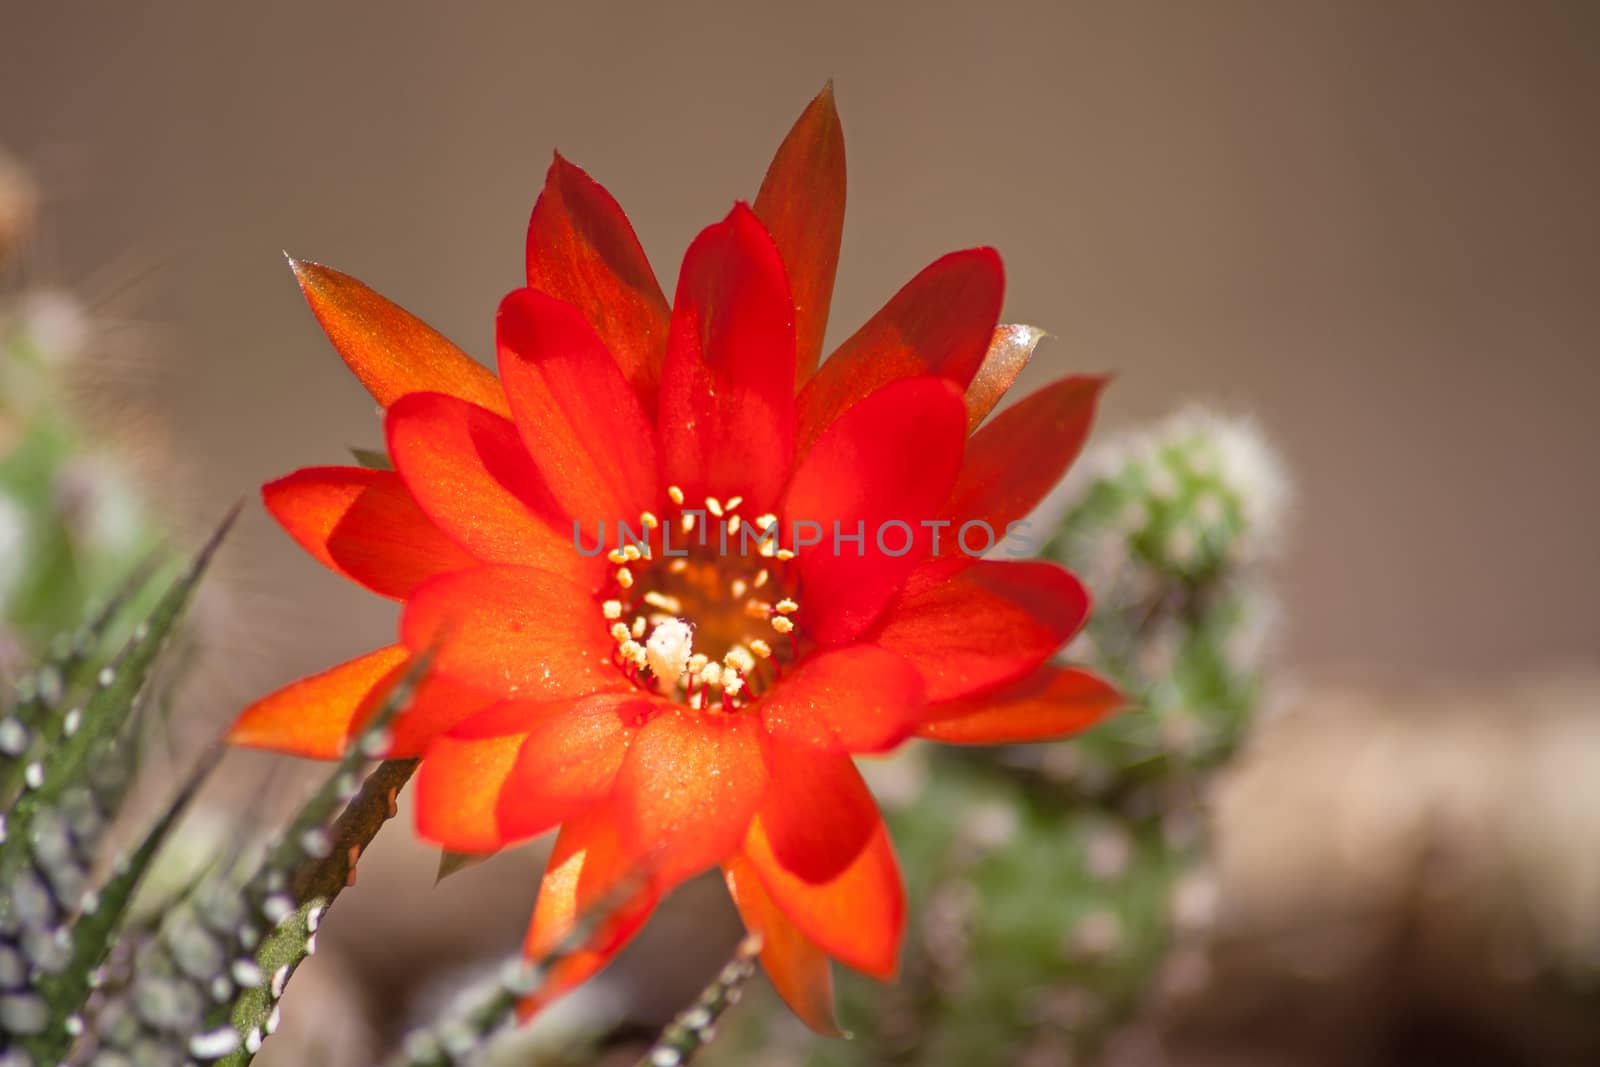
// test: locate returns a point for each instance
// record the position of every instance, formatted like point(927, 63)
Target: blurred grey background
point(1374, 225)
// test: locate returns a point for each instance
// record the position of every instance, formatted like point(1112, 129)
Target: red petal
point(459, 787)
point(990, 624)
point(587, 868)
point(518, 768)
point(1050, 703)
point(798, 969)
point(392, 351)
point(577, 414)
point(1021, 455)
point(469, 472)
point(818, 813)
point(364, 525)
point(802, 205)
point(312, 717)
point(582, 250)
point(883, 469)
point(726, 422)
point(569, 758)
point(687, 789)
point(515, 631)
point(857, 918)
point(436, 707)
point(1009, 351)
point(859, 699)
point(940, 323)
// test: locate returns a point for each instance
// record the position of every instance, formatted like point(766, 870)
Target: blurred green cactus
point(72, 519)
point(1048, 882)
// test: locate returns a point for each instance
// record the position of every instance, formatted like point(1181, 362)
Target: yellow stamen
point(670, 604)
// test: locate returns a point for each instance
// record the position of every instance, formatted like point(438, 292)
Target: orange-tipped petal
point(312, 717)
point(881, 470)
point(802, 205)
point(1009, 351)
point(858, 699)
point(1022, 454)
point(516, 631)
point(391, 350)
point(587, 867)
point(940, 323)
point(687, 789)
point(364, 525)
point(797, 968)
point(581, 249)
point(1051, 703)
point(726, 418)
point(468, 470)
point(991, 623)
point(577, 414)
point(857, 918)
point(818, 813)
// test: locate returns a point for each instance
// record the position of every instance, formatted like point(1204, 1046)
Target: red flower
point(674, 705)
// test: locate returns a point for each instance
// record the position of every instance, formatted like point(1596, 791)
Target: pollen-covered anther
point(761, 648)
point(640, 624)
point(783, 624)
point(762, 577)
point(625, 577)
point(740, 659)
point(612, 610)
point(734, 523)
point(616, 555)
point(670, 604)
point(632, 553)
point(619, 632)
point(714, 506)
point(711, 674)
point(648, 520)
point(784, 554)
point(757, 609)
point(697, 663)
point(739, 588)
point(732, 504)
point(675, 494)
point(668, 650)
point(733, 685)
point(787, 606)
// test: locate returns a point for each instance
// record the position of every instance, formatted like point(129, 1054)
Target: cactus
point(72, 519)
point(1048, 882)
point(78, 766)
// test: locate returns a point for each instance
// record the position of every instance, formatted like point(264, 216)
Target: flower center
point(699, 606)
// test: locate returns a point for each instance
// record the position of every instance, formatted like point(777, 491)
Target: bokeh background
point(1371, 226)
